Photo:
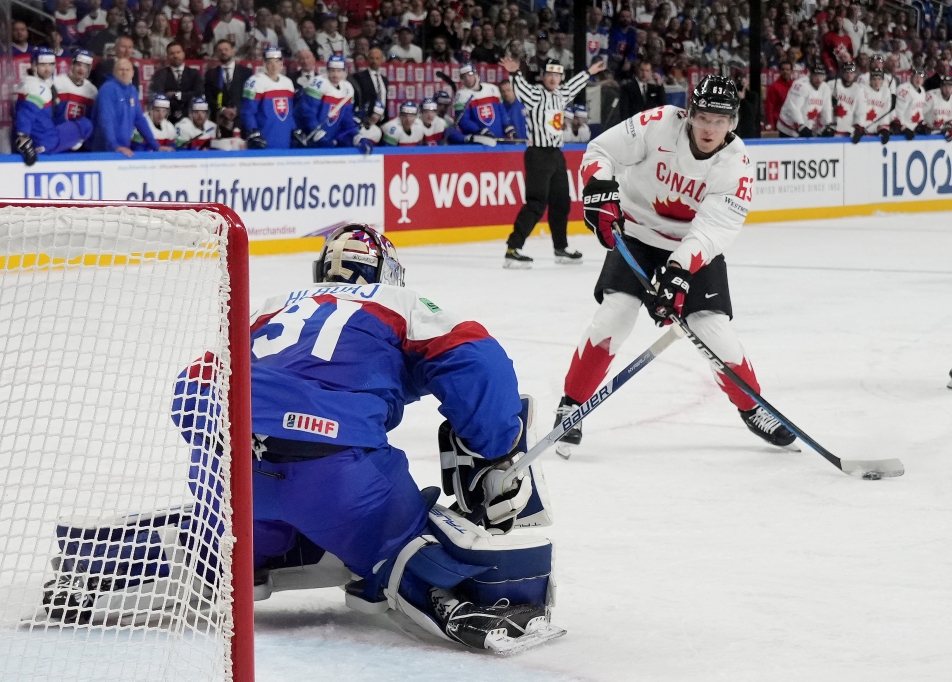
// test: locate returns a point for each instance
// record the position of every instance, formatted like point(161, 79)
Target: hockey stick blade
point(868, 470)
point(585, 409)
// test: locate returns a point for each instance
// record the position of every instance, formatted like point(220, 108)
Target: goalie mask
point(358, 254)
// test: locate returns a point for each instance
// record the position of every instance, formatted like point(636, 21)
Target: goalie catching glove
point(601, 209)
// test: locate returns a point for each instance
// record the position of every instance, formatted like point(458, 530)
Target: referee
point(546, 181)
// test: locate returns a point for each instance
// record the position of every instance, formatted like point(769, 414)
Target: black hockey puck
point(872, 476)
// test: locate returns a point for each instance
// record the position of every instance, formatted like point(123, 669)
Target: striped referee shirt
point(544, 108)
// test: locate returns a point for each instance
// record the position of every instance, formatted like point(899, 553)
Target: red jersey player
point(680, 184)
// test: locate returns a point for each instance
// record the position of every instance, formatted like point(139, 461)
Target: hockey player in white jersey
point(406, 130)
point(939, 108)
point(890, 82)
point(162, 129)
point(434, 127)
point(808, 109)
point(75, 95)
point(849, 100)
point(680, 184)
point(369, 133)
point(576, 125)
point(910, 119)
point(195, 131)
point(879, 107)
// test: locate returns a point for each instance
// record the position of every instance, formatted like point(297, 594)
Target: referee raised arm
point(546, 181)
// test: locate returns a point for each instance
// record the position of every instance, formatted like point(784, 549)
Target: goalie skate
point(538, 631)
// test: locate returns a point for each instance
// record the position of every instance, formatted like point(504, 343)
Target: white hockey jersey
point(890, 82)
point(670, 199)
point(78, 99)
point(910, 106)
point(938, 110)
point(584, 134)
point(878, 108)
point(433, 133)
point(806, 107)
point(850, 108)
point(396, 136)
point(336, 97)
point(372, 133)
point(164, 134)
point(189, 136)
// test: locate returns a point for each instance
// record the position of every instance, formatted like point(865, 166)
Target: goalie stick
point(585, 409)
point(870, 470)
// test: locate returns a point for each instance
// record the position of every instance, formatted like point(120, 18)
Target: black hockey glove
point(884, 135)
point(256, 141)
point(510, 132)
point(908, 134)
point(828, 131)
point(922, 129)
point(947, 132)
point(858, 132)
point(804, 132)
point(673, 286)
point(477, 483)
point(601, 209)
point(26, 149)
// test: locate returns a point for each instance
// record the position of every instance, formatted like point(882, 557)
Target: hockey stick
point(870, 470)
point(601, 395)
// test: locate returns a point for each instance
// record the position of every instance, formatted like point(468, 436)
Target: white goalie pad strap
point(469, 536)
point(420, 618)
point(400, 565)
point(505, 509)
point(538, 511)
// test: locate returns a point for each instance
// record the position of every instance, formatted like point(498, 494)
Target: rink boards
point(290, 198)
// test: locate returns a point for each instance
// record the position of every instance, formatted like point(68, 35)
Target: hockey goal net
point(125, 549)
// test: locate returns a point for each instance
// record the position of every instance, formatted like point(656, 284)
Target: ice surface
point(685, 548)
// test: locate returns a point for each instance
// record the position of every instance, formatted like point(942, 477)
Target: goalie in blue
point(333, 366)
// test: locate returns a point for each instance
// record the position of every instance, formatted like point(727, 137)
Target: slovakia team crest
point(281, 107)
point(486, 114)
point(75, 110)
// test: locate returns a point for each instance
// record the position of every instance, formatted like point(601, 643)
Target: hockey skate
point(503, 628)
point(516, 260)
point(573, 436)
point(568, 257)
point(768, 427)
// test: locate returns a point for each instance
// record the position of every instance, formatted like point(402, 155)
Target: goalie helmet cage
point(125, 548)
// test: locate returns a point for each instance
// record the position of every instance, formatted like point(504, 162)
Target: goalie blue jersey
point(337, 364)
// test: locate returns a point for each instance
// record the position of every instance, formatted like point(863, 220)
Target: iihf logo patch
point(308, 423)
point(281, 107)
point(486, 113)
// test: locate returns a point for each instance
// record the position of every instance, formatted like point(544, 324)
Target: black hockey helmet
point(945, 80)
point(715, 95)
point(848, 67)
point(918, 71)
point(817, 66)
point(876, 72)
point(358, 254)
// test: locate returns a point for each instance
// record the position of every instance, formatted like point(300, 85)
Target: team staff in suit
point(105, 67)
point(224, 83)
point(370, 84)
point(178, 82)
point(641, 92)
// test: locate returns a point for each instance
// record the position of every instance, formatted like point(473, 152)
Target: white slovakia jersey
point(670, 199)
point(938, 109)
point(806, 107)
point(878, 106)
point(80, 97)
point(163, 134)
point(373, 133)
point(432, 134)
point(890, 82)
point(850, 107)
point(910, 106)
point(190, 136)
point(396, 136)
point(584, 134)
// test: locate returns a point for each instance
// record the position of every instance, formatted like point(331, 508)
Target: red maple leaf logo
point(590, 170)
point(813, 115)
point(697, 262)
point(871, 115)
point(675, 210)
point(916, 117)
point(840, 111)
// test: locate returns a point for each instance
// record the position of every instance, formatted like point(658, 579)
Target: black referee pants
point(546, 185)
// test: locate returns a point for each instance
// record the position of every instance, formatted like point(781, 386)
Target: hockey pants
point(612, 325)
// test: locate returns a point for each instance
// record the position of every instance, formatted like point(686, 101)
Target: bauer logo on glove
point(601, 210)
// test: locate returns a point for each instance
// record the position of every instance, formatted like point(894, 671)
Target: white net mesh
point(115, 532)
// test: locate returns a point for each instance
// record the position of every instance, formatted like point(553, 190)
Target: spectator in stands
point(370, 84)
point(855, 28)
point(108, 36)
point(127, 18)
point(777, 94)
point(289, 27)
point(160, 34)
point(373, 33)
point(934, 81)
point(19, 39)
point(487, 51)
point(307, 69)
point(202, 13)
point(92, 23)
point(173, 11)
point(189, 37)
point(180, 83)
point(332, 42)
point(308, 39)
point(145, 10)
point(106, 67)
point(162, 129)
point(502, 36)
point(223, 84)
point(517, 52)
point(642, 92)
point(246, 12)
point(537, 63)
point(596, 36)
point(561, 53)
point(388, 23)
point(142, 41)
point(440, 52)
point(837, 46)
point(515, 110)
point(622, 44)
point(404, 50)
point(262, 35)
point(228, 26)
point(66, 22)
point(118, 113)
point(75, 94)
point(473, 38)
point(432, 29)
point(414, 16)
point(360, 50)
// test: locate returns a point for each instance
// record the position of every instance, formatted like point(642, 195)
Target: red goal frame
point(239, 339)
